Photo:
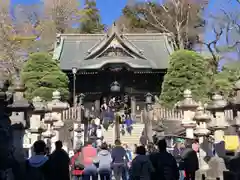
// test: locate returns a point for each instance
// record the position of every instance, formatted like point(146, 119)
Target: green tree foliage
point(42, 76)
point(187, 70)
point(91, 20)
point(225, 80)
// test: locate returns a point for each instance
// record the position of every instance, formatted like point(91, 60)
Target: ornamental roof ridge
point(123, 34)
point(112, 34)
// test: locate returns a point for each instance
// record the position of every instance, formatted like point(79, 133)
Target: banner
point(231, 143)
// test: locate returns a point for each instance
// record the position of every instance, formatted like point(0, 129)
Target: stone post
point(188, 106)
point(57, 107)
point(201, 132)
point(19, 110)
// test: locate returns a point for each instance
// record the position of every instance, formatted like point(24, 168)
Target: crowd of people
point(118, 161)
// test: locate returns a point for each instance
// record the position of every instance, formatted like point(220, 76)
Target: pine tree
point(91, 20)
point(187, 70)
point(42, 75)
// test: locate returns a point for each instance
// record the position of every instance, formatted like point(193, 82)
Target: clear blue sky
point(110, 9)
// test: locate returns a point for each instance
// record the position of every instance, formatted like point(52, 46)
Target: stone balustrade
point(160, 113)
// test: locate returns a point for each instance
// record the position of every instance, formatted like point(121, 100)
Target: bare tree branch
point(178, 18)
point(212, 45)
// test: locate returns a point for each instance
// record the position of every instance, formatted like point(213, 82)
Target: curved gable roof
point(151, 50)
point(114, 35)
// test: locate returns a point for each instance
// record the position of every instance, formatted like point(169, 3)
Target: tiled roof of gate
point(151, 50)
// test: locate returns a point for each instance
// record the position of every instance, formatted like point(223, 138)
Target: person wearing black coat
point(164, 164)
point(59, 163)
point(189, 161)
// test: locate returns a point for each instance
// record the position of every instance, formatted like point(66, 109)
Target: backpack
point(36, 173)
point(78, 162)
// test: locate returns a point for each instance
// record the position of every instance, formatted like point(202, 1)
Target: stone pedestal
point(188, 106)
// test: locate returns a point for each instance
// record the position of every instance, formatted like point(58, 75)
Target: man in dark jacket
point(189, 161)
point(37, 166)
point(141, 168)
point(164, 164)
point(59, 163)
point(119, 159)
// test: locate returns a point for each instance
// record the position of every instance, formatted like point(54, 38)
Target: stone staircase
point(109, 136)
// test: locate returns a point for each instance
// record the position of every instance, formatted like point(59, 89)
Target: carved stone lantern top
point(18, 85)
point(218, 103)
point(40, 106)
point(201, 115)
point(56, 105)
point(187, 103)
point(20, 104)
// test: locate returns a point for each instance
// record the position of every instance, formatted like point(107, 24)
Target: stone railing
point(159, 113)
point(71, 113)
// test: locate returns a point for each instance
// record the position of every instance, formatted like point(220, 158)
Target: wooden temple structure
point(137, 62)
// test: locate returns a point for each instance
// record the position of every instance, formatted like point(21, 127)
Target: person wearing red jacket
point(89, 154)
point(76, 173)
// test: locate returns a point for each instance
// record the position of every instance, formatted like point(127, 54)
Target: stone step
point(127, 138)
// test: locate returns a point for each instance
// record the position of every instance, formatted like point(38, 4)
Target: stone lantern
point(148, 117)
point(201, 132)
point(49, 133)
point(188, 106)
point(78, 135)
point(36, 125)
point(77, 125)
point(236, 107)
point(57, 107)
point(218, 123)
point(19, 117)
